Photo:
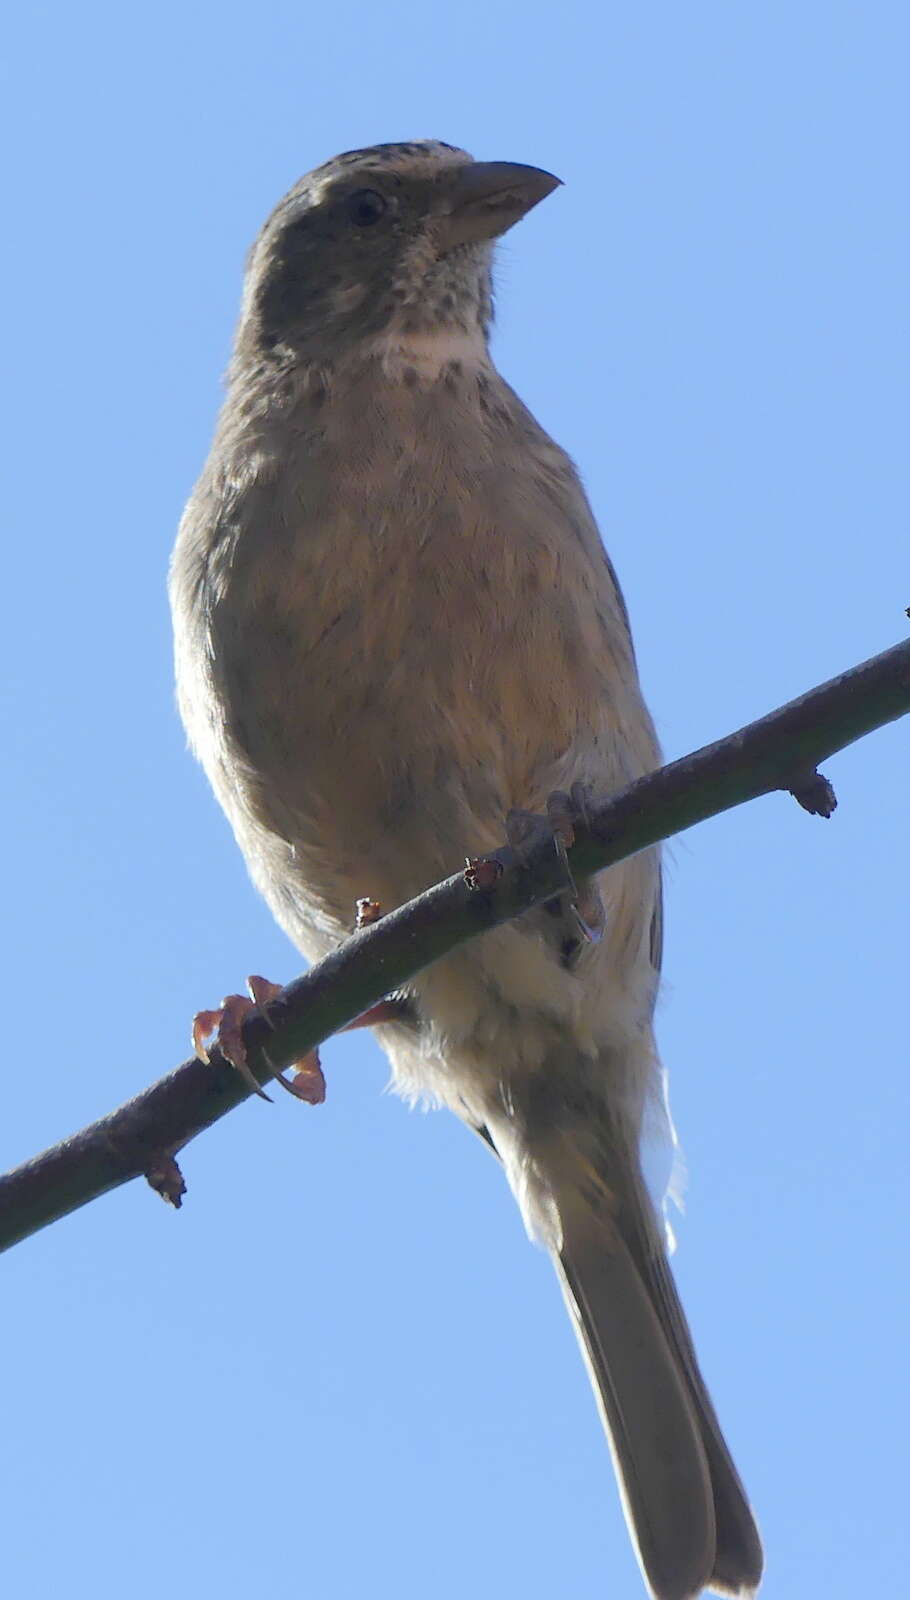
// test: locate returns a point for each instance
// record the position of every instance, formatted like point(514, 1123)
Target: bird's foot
point(226, 1023)
point(566, 813)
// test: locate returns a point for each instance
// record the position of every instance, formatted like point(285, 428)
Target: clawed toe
point(224, 1029)
point(308, 1082)
point(226, 1025)
point(565, 814)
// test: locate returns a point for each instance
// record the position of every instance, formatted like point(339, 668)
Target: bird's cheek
point(347, 298)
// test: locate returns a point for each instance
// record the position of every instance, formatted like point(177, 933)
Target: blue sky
point(341, 1370)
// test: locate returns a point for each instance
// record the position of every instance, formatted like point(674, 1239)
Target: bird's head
point(392, 240)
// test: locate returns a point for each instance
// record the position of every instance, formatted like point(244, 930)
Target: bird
point(396, 630)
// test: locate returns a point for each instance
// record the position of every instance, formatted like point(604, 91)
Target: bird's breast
point(411, 636)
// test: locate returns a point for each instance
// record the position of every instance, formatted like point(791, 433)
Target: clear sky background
point(341, 1370)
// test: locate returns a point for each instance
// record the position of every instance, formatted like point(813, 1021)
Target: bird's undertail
point(685, 1505)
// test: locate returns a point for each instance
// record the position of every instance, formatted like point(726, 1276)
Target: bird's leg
point(396, 1008)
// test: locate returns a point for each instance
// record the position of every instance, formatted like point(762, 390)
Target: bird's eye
point(366, 206)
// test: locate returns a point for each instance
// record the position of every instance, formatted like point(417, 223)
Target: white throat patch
point(429, 351)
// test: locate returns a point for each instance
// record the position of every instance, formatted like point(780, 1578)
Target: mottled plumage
point(395, 622)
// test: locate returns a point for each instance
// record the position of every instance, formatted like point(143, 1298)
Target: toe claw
point(592, 931)
point(252, 1083)
point(308, 1082)
point(227, 1025)
point(204, 1024)
point(262, 992)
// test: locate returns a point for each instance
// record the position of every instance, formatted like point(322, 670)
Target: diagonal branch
point(781, 751)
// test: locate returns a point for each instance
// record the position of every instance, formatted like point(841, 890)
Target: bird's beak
point(487, 197)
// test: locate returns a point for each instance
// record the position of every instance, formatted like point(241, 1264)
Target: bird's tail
point(686, 1508)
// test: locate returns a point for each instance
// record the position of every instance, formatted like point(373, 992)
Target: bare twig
point(782, 751)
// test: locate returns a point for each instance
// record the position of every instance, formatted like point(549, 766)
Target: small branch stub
point(816, 795)
point(482, 872)
point(164, 1176)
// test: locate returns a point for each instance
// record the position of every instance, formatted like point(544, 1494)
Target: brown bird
point(396, 624)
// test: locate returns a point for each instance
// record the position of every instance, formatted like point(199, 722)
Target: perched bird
point(395, 625)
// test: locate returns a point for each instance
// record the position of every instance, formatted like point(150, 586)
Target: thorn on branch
point(164, 1176)
point(482, 872)
point(367, 912)
point(816, 795)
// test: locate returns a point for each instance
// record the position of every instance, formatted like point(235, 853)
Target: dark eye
point(366, 206)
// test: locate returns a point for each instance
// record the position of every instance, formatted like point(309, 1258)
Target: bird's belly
point(389, 703)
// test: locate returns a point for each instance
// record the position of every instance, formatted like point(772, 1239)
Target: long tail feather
point(684, 1501)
